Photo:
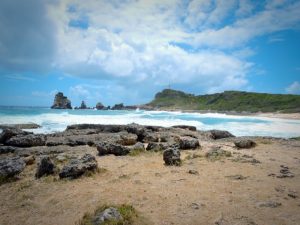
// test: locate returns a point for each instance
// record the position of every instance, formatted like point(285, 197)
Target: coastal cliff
point(61, 102)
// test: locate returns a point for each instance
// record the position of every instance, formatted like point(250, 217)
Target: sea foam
point(57, 120)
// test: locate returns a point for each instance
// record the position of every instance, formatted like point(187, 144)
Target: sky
point(114, 51)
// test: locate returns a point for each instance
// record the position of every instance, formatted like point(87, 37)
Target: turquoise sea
point(53, 120)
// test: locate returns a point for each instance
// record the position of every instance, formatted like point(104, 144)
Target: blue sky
point(125, 51)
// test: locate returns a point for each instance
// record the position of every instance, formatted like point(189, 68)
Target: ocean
point(53, 120)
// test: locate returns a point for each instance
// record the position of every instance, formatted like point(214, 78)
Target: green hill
point(227, 101)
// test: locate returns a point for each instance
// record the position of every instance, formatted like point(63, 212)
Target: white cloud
point(140, 43)
point(294, 88)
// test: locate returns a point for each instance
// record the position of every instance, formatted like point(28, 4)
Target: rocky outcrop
point(244, 143)
point(157, 146)
point(100, 106)
point(77, 167)
point(118, 106)
point(61, 102)
point(8, 133)
point(188, 143)
point(45, 167)
point(218, 134)
point(171, 157)
point(27, 140)
point(10, 167)
point(186, 127)
point(106, 148)
point(83, 105)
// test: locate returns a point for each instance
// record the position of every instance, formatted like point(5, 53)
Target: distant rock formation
point(83, 105)
point(61, 102)
point(118, 106)
point(100, 106)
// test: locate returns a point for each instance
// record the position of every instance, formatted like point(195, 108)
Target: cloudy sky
point(126, 50)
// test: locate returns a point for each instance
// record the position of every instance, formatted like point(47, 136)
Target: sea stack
point(83, 105)
point(61, 102)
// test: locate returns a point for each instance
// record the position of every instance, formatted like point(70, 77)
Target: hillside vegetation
point(227, 101)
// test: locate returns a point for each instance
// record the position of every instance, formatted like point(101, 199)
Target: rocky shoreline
point(81, 150)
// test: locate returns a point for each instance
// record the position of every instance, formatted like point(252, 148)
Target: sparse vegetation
point(227, 101)
point(128, 213)
point(136, 152)
point(217, 154)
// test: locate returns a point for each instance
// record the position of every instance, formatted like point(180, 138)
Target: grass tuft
point(128, 213)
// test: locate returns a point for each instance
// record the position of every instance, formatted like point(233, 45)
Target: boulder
point(83, 105)
point(218, 134)
point(171, 156)
point(157, 146)
point(77, 167)
point(188, 143)
point(106, 148)
point(61, 102)
point(186, 127)
point(45, 167)
point(244, 143)
point(109, 214)
point(10, 167)
point(27, 140)
point(8, 133)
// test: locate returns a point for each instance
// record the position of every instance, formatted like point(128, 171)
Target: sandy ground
point(164, 194)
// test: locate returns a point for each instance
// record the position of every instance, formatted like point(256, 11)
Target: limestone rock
point(27, 140)
point(61, 102)
point(218, 134)
point(171, 157)
point(10, 167)
point(244, 143)
point(188, 143)
point(78, 167)
point(106, 148)
point(45, 167)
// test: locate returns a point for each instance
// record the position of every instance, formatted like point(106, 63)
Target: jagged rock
point(27, 140)
point(107, 215)
point(171, 157)
point(10, 167)
point(156, 146)
point(61, 102)
point(118, 106)
point(8, 133)
point(45, 167)
point(127, 139)
point(7, 149)
point(244, 143)
point(218, 134)
point(188, 143)
point(100, 106)
point(150, 137)
point(138, 146)
point(186, 127)
point(78, 167)
point(106, 148)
